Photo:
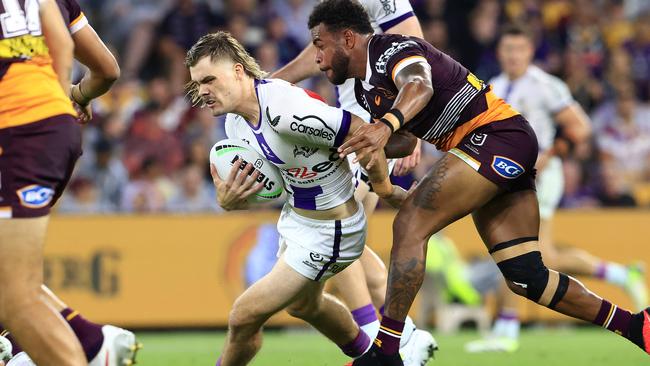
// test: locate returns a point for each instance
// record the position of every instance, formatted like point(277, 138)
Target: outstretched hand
point(365, 142)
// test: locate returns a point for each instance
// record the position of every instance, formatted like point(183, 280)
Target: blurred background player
point(40, 141)
point(362, 286)
point(488, 170)
point(102, 344)
point(322, 226)
point(546, 102)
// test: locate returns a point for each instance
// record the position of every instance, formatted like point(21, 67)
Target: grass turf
point(544, 347)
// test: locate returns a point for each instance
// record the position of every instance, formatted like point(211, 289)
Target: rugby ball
point(225, 153)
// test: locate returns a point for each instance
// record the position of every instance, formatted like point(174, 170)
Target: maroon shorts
point(504, 152)
point(36, 161)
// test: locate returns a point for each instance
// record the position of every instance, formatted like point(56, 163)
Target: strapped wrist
point(79, 98)
point(394, 119)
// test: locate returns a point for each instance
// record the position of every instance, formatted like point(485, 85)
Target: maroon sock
point(15, 347)
point(390, 332)
point(614, 319)
point(89, 334)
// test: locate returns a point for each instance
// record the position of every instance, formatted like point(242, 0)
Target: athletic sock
point(507, 325)
point(358, 346)
point(89, 334)
point(389, 335)
point(366, 318)
point(15, 347)
point(614, 319)
point(612, 273)
point(218, 361)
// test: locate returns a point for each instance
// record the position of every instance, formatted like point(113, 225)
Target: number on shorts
point(17, 22)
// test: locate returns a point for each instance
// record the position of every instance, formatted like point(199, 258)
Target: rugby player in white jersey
point(322, 227)
point(546, 102)
point(364, 295)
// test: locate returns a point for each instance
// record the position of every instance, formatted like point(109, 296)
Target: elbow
point(425, 89)
point(111, 72)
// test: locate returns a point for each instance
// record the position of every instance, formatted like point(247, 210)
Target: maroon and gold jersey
point(460, 102)
point(72, 15)
point(29, 87)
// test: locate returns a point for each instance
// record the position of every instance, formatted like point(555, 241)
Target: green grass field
point(544, 347)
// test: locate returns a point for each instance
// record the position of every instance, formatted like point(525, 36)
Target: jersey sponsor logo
point(272, 121)
point(506, 168)
point(326, 132)
point(478, 139)
point(268, 183)
point(35, 196)
point(310, 265)
point(382, 61)
point(322, 167)
point(389, 6)
point(303, 151)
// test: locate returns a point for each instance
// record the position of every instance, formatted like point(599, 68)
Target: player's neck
point(358, 69)
point(516, 74)
point(250, 106)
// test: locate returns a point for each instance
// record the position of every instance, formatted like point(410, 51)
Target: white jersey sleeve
point(556, 94)
point(309, 121)
point(385, 14)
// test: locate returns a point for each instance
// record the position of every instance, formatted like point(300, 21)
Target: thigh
point(36, 162)
point(351, 287)
point(451, 190)
point(508, 216)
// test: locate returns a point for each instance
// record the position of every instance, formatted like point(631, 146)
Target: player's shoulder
point(387, 13)
point(539, 76)
point(283, 92)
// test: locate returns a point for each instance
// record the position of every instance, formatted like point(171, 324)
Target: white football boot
point(119, 348)
point(419, 348)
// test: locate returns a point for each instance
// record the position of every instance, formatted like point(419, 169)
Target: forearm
point(413, 97)
point(302, 67)
point(90, 87)
point(400, 144)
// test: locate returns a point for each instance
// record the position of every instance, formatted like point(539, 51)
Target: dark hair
point(516, 29)
point(337, 15)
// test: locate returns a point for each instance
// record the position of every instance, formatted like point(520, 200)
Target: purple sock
point(218, 361)
point(89, 334)
point(358, 346)
point(381, 310)
point(364, 315)
point(614, 319)
point(601, 270)
point(389, 335)
point(508, 315)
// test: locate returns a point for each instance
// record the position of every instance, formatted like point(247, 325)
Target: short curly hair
point(337, 15)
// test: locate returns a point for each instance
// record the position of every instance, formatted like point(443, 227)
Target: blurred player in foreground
point(322, 227)
point(40, 140)
point(362, 286)
point(546, 102)
point(488, 170)
point(103, 345)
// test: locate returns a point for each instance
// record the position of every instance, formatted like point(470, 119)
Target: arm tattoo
point(404, 281)
point(427, 192)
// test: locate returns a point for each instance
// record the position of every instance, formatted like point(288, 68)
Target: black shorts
point(36, 161)
point(504, 152)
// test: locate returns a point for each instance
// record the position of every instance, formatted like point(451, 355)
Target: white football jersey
point(538, 96)
point(384, 14)
point(299, 133)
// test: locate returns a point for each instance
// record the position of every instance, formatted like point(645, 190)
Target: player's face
point(216, 84)
point(331, 56)
point(515, 53)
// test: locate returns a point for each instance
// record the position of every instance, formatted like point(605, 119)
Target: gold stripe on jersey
point(76, 20)
point(25, 47)
point(397, 65)
point(30, 92)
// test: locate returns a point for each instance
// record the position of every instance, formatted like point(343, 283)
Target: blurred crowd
point(146, 149)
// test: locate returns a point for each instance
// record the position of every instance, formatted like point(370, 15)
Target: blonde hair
point(218, 46)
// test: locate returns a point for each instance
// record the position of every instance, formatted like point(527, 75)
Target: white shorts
point(319, 249)
point(550, 186)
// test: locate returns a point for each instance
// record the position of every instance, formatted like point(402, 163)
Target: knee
point(526, 275)
point(304, 310)
point(243, 321)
